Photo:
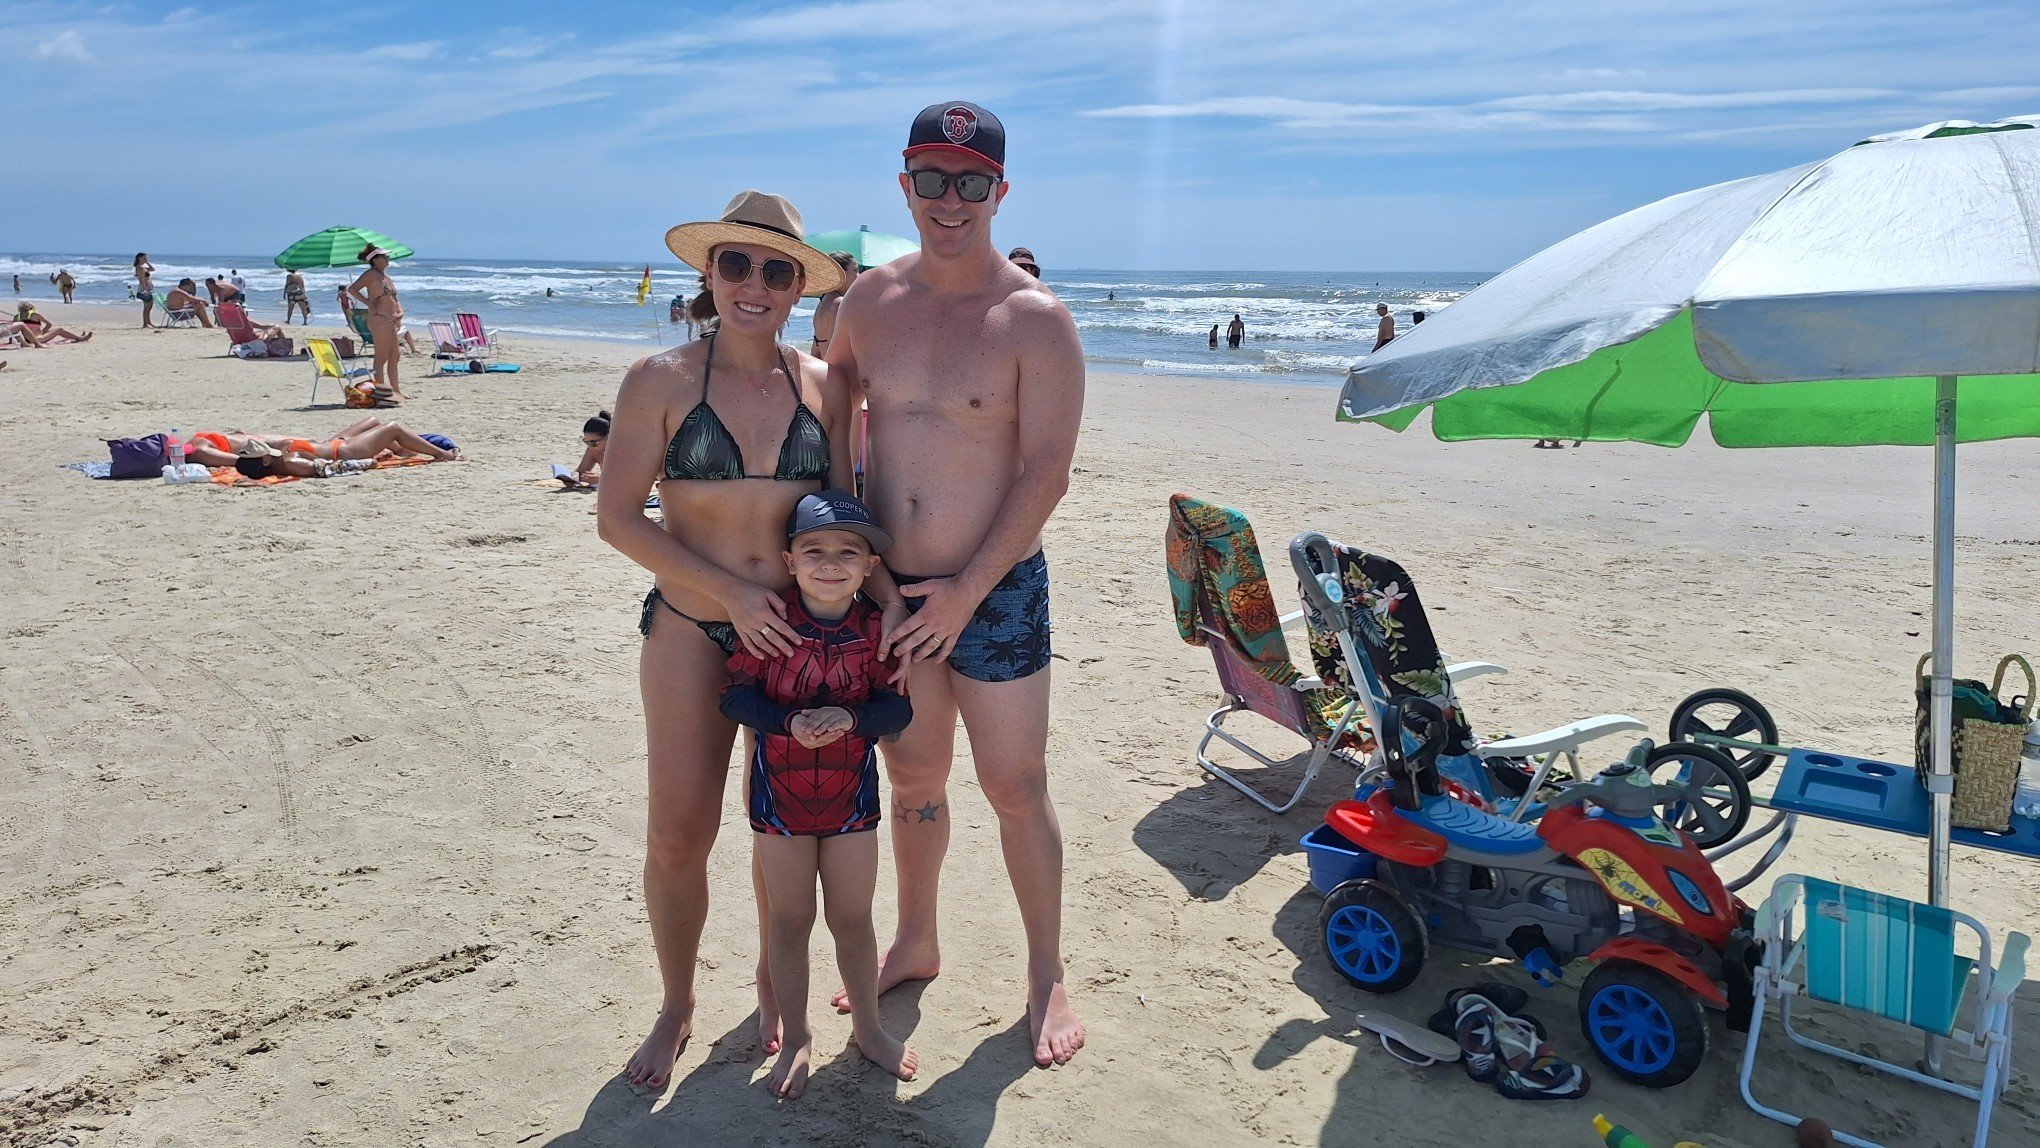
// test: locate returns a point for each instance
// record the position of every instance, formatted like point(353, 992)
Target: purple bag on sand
point(138, 457)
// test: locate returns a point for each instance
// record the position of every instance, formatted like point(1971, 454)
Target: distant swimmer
point(1385, 333)
point(548, 293)
point(1109, 296)
point(1235, 331)
point(1214, 336)
point(1417, 317)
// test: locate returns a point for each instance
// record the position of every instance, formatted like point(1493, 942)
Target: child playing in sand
point(813, 781)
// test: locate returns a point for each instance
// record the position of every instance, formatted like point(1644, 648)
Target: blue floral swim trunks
point(1007, 639)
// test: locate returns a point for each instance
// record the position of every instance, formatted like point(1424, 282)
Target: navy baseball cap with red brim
point(960, 127)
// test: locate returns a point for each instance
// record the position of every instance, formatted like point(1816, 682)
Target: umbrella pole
point(1940, 713)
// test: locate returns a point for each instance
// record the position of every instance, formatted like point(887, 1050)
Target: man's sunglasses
point(735, 267)
point(971, 186)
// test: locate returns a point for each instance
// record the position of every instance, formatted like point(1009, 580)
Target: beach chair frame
point(1288, 706)
point(446, 341)
point(1350, 596)
point(1851, 948)
point(328, 366)
point(480, 342)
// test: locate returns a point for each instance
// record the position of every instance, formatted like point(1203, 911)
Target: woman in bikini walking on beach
point(734, 428)
point(377, 292)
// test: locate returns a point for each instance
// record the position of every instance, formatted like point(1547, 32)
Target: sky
point(1175, 135)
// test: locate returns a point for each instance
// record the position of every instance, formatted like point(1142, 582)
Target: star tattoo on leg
point(932, 811)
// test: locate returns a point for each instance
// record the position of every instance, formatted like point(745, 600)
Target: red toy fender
point(1665, 961)
point(1375, 827)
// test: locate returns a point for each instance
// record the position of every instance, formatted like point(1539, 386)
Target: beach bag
point(137, 457)
point(251, 351)
point(343, 345)
point(1986, 740)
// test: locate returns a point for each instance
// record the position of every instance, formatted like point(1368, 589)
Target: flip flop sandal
point(1508, 998)
point(1474, 1032)
point(1545, 1078)
point(1411, 1043)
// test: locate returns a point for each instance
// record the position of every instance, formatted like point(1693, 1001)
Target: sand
point(324, 807)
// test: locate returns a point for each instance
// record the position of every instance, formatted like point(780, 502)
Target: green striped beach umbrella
point(870, 248)
point(336, 247)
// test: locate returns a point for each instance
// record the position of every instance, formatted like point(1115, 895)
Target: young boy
point(813, 780)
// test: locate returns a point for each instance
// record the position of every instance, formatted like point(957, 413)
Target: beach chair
point(1373, 639)
point(1223, 603)
point(1875, 953)
point(326, 365)
point(358, 319)
point(234, 320)
point(482, 343)
point(185, 318)
point(447, 343)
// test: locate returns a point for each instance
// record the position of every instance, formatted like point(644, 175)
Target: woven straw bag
point(1986, 751)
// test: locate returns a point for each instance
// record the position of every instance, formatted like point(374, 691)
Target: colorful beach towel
point(1214, 545)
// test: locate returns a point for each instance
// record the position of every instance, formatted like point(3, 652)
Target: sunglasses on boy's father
point(971, 186)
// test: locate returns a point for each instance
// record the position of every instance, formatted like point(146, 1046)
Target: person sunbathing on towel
point(367, 439)
point(44, 334)
point(184, 297)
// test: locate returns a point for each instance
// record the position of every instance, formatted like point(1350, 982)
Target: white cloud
point(418, 50)
point(1662, 101)
point(181, 15)
point(65, 45)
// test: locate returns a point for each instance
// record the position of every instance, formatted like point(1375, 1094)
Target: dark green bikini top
point(703, 447)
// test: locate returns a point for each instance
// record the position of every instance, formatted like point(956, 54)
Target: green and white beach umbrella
point(336, 247)
point(870, 248)
point(1887, 295)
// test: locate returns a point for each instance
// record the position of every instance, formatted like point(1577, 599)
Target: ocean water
point(1301, 326)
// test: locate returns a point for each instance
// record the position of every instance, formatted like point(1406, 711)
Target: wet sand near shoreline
point(326, 801)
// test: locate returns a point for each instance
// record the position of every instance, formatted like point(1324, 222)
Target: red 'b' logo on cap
point(959, 124)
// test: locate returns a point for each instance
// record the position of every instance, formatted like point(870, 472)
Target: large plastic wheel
point(1372, 937)
point(1714, 804)
point(1643, 1024)
point(1728, 713)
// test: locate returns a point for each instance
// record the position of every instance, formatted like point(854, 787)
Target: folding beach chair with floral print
point(1222, 602)
point(1373, 640)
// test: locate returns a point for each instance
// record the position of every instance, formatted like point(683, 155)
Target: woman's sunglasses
point(735, 267)
point(971, 186)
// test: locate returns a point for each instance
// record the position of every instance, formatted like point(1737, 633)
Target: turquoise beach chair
point(1875, 953)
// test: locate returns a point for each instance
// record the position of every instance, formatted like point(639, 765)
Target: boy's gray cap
point(836, 510)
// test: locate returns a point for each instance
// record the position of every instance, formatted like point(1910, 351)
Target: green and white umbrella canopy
point(1858, 279)
point(337, 247)
point(1887, 295)
point(869, 248)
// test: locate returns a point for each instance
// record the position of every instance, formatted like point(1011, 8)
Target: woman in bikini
point(377, 292)
point(145, 287)
point(294, 297)
point(734, 429)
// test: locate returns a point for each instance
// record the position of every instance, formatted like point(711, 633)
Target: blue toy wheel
point(1372, 938)
point(1642, 1023)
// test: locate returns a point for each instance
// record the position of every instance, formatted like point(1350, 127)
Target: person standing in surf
point(975, 380)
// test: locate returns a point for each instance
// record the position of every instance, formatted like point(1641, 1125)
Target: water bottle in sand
point(2026, 798)
point(173, 450)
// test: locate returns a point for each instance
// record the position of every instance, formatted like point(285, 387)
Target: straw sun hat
point(766, 220)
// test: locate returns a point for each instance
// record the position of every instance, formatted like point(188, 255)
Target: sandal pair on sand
point(1480, 1027)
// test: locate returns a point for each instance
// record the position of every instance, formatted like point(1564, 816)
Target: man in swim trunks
point(975, 380)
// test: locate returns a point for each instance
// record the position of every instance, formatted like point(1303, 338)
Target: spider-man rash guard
point(802, 792)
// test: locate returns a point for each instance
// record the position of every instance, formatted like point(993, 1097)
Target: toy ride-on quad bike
point(1600, 876)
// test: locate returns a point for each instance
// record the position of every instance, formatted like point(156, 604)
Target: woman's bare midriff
point(738, 524)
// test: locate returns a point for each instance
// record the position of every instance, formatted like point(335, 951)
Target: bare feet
point(1058, 1034)
point(652, 1064)
point(895, 968)
point(890, 1053)
point(788, 1078)
point(769, 1029)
